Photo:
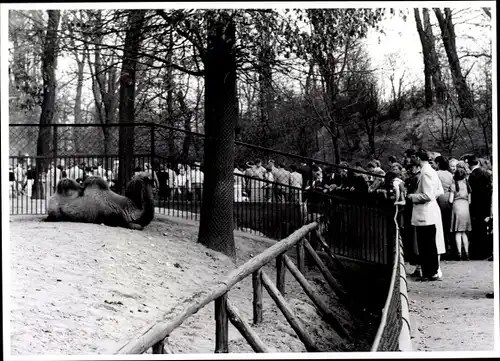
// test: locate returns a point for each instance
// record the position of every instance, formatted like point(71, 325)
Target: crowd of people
point(180, 182)
point(445, 200)
point(447, 211)
point(445, 204)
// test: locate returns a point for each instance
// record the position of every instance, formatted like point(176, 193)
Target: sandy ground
point(453, 314)
point(88, 289)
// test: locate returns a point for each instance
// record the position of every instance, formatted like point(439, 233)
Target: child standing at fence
point(460, 215)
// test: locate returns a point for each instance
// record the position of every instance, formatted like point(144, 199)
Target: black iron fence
point(274, 192)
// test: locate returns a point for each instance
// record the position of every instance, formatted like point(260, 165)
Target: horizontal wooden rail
point(246, 331)
point(337, 288)
point(153, 334)
point(297, 326)
point(316, 298)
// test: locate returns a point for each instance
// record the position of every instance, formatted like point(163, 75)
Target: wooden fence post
point(300, 257)
point(257, 297)
point(221, 325)
point(162, 347)
point(280, 273)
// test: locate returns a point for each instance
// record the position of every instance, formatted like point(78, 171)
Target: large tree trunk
point(49, 63)
point(221, 109)
point(465, 100)
point(127, 97)
point(426, 56)
point(435, 67)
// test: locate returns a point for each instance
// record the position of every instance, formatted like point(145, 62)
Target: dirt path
point(453, 314)
point(87, 289)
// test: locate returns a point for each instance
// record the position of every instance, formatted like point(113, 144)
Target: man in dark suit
point(481, 185)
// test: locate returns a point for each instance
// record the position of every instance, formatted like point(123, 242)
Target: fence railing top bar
point(153, 334)
point(237, 142)
point(86, 155)
point(83, 125)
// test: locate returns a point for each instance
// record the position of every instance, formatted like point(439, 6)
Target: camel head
point(140, 191)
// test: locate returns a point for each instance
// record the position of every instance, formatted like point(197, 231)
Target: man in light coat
point(197, 178)
point(426, 216)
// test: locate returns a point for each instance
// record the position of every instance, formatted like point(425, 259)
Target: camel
point(94, 202)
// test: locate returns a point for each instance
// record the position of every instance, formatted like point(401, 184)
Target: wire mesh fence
point(274, 192)
point(392, 325)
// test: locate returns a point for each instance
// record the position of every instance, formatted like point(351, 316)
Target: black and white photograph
point(250, 177)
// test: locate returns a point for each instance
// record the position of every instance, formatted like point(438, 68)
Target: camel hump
point(67, 184)
point(96, 182)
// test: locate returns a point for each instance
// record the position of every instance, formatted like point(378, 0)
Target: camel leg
point(135, 226)
point(51, 218)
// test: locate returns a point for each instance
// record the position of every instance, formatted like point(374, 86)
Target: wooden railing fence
point(156, 335)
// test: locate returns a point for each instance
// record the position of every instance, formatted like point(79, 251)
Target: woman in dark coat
point(410, 234)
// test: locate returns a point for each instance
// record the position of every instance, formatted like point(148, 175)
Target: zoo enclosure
point(358, 226)
point(390, 332)
point(355, 228)
point(156, 336)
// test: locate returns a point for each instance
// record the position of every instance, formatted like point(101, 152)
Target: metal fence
point(272, 198)
point(391, 324)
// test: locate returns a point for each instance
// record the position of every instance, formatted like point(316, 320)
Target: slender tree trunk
point(426, 56)
point(221, 109)
point(465, 100)
point(127, 96)
point(170, 100)
point(266, 104)
point(188, 137)
point(330, 90)
point(435, 67)
point(49, 63)
point(77, 109)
